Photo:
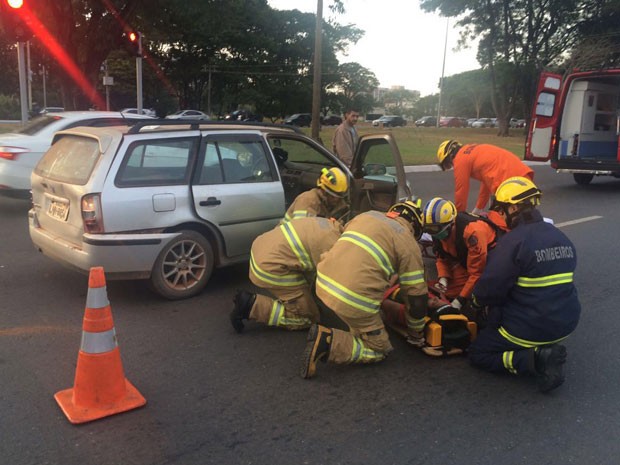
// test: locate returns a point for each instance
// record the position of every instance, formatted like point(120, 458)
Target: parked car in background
point(169, 202)
point(390, 121)
point(426, 121)
point(21, 150)
point(243, 115)
point(331, 120)
point(46, 110)
point(189, 114)
point(134, 111)
point(299, 119)
point(483, 123)
point(471, 121)
point(450, 122)
point(517, 123)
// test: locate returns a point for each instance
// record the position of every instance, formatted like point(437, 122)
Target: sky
point(402, 45)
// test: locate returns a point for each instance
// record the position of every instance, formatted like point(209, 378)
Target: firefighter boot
point(319, 343)
point(549, 362)
point(243, 304)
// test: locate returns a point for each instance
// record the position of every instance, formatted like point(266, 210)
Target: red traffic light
point(15, 4)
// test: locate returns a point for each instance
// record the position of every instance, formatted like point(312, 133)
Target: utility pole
point(23, 88)
point(139, 73)
point(29, 71)
point(316, 83)
point(43, 72)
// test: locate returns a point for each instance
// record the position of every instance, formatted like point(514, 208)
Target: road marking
point(580, 220)
point(28, 330)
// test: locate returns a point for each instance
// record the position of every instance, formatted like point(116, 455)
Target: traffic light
point(134, 45)
point(15, 16)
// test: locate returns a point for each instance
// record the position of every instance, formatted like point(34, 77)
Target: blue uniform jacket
point(528, 282)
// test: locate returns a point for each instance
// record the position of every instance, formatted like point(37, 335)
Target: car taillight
point(92, 216)
point(11, 153)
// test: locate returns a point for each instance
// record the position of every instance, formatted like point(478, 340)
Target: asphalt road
point(216, 397)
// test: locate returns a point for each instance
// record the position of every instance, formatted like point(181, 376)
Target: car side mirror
point(374, 169)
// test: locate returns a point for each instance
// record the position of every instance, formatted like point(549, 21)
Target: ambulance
point(576, 124)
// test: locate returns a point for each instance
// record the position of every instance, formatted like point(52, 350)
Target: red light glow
point(15, 3)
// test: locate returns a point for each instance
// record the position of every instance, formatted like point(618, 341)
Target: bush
point(10, 107)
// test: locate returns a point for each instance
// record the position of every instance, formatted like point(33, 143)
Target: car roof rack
point(197, 124)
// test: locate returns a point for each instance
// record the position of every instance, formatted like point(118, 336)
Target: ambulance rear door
point(541, 138)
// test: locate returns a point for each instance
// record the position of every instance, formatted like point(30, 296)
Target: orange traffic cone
point(100, 388)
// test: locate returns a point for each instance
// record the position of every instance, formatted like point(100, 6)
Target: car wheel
point(583, 178)
point(184, 267)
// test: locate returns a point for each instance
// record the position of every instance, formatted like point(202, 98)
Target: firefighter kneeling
point(352, 279)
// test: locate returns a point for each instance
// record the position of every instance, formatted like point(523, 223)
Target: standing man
point(283, 262)
point(528, 288)
point(489, 164)
point(461, 242)
point(326, 200)
point(352, 278)
point(345, 138)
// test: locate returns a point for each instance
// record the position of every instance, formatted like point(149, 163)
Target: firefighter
point(283, 262)
point(528, 288)
point(461, 242)
point(352, 279)
point(489, 164)
point(326, 200)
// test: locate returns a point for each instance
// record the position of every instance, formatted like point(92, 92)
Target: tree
point(518, 38)
point(353, 88)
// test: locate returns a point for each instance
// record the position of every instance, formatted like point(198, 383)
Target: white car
point(189, 114)
point(134, 111)
point(20, 151)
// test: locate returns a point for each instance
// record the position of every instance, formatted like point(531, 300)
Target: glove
point(458, 302)
point(416, 339)
point(442, 284)
point(477, 211)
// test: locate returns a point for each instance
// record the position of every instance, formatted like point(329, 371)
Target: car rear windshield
point(37, 124)
point(71, 159)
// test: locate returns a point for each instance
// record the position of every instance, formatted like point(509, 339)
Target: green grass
point(418, 146)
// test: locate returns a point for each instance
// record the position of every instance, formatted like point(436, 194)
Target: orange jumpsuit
point(354, 275)
point(477, 238)
point(283, 261)
point(488, 164)
point(314, 203)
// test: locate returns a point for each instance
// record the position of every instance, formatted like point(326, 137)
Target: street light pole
point(139, 74)
point(443, 67)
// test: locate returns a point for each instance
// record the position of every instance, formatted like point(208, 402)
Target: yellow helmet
point(438, 215)
point(410, 211)
point(334, 182)
point(446, 148)
point(517, 190)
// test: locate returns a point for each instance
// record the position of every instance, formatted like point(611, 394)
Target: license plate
point(58, 210)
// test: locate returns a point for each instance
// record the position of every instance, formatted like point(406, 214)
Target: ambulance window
point(545, 104)
point(552, 83)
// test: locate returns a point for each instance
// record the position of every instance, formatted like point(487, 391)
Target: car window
point(234, 161)
point(37, 124)
point(71, 160)
point(298, 151)
point(156, 162)
point(378, 153)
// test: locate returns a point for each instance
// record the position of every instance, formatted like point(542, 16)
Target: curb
point(430, 168)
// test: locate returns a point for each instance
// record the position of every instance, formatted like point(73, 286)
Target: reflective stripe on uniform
point(287, 280)
point(97, 297)
point(297, 246)
point(524, 342)
point(98, 343)
point(278, 317)
point(411, 278)
point(507, 360)
point(372, 248)
point(346, 295)
point(544, 281)
point(277, 309)
point(416, 324)
point(361, 353)
point(297, 214)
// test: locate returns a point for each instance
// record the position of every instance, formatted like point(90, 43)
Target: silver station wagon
point(169, 201)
